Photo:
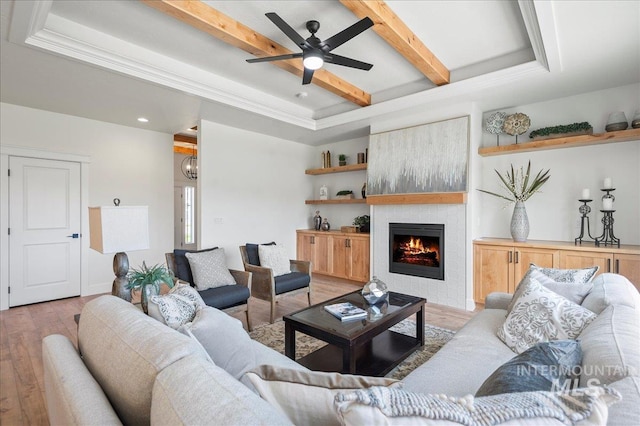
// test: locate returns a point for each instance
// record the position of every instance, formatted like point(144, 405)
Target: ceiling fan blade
point(307, 76)
point(286, 28)
point(348, 33)
point(347, 62)
point(275, 58)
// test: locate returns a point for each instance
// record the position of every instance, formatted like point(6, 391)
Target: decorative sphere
point(375, 291)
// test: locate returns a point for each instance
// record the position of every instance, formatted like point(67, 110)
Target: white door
point(44, 223)
point(184, 216)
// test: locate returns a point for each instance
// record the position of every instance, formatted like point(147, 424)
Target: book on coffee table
point(346, 311)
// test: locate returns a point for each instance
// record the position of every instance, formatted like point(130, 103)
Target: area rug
point(272, 335)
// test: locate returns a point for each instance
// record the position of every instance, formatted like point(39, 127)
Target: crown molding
point(70, 39)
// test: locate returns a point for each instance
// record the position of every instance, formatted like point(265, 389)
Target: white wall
point(339, 214)
point(127, 163)
point(553, 213)
point(251, 189)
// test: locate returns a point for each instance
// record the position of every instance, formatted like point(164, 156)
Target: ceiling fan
point(316, 52)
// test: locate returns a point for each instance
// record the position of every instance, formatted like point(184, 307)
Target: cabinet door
point(341, 265)
point(305, 248)
point(524, 256)
point(359, 259)
point(570, 259)
point(492, 271)
point(629, 266)
point(321, 254)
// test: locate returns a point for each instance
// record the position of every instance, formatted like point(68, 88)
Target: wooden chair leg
point(273, 311)
point(309, 296)
point(248, 321)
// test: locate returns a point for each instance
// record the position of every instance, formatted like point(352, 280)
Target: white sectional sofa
point(135, 370)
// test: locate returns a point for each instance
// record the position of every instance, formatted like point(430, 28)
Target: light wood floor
point(22, 329)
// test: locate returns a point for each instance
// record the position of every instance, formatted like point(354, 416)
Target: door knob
point(73, 236)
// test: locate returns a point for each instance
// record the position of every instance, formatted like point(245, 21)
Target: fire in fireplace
point(417, 249)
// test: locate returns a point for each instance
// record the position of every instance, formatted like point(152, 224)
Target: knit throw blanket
point(567, 407)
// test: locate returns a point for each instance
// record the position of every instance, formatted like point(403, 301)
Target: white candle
point(586, 195)
point(607, 183)
point(607, 204)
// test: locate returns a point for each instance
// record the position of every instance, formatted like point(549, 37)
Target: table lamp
point(116, 229)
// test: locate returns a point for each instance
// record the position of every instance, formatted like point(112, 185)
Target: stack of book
point(346, 311)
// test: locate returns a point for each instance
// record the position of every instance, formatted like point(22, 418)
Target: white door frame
point(9, 150)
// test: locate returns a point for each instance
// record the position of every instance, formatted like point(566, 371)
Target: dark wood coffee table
point(364, 347)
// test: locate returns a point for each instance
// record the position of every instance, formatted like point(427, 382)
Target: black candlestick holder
point(584, 211)
point(607, 237)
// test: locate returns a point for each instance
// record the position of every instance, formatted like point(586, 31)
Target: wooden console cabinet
point(500, 264)
point(338, 254)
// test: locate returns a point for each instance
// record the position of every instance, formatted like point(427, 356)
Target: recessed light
point(302, 95)
point(143, 120)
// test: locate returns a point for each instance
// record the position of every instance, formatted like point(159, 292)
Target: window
point(189, 198)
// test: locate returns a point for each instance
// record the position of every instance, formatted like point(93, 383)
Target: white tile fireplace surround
point(451, 291)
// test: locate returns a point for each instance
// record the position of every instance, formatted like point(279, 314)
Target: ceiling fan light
point(312, 60)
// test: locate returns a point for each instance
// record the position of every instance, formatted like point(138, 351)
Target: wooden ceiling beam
point(396, 33)
point(187, 139)
point(183, 150)
point(205, 18)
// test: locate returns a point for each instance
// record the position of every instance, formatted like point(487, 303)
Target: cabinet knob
point(510, 256)
point(617, 266)
point(517, 256)
point(608, 265)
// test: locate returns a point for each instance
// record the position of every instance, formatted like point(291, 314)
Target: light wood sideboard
point(334, 253)
point(500, 264)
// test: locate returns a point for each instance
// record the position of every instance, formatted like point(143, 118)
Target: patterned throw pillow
point(383, 405)
point(540, 315)
point(579, 276)
point(174, 309)
point(189, 292)
point(560, 281)
point(274, 257)
point(210, 269)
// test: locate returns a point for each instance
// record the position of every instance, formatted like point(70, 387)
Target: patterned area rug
point(272, 335)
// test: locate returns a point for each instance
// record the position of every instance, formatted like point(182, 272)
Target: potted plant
point(148, 281)
point(520, 188)
point(342, 160)
point(362, 222)
point(344, 195)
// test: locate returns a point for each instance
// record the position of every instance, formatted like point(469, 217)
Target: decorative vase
point(317, 220)
point(519, 223)
point(375, 291)
point(326, 226)
point(145, 294)
point(364, 190)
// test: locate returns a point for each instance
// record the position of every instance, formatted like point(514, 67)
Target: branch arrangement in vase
point(519, 183)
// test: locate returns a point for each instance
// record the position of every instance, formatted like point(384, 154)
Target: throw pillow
point(540, 315)
point(172, 309)
point(189, 292)
point(275, 258)
point(380, 405)
point(552, 279)
point(210, 269)
point(224, 339)
point(582, 276)
point(183, 270)
point(307, 397)
point(252, 252)
point(547, 366)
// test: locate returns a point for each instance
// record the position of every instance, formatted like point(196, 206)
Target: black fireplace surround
point(417, 249)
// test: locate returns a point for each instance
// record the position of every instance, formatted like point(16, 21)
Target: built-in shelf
point(338, 201)
point(338, 169)
point(566, 142)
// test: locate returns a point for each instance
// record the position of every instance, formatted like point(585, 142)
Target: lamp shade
point(119, 229)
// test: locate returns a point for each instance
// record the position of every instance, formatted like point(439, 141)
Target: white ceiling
point(117, 60)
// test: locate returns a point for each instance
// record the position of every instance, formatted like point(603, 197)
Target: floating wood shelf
point(338, 201)
point(338, 169)
point(566, 142)
point(427, 198)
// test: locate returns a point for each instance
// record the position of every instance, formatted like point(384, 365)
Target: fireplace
point(417, 249)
